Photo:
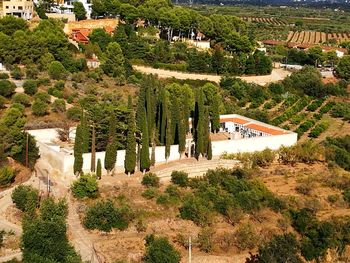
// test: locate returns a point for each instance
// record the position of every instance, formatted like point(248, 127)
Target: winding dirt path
point(276, 75)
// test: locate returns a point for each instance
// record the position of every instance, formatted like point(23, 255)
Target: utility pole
point(27, 150)
point(189, 250)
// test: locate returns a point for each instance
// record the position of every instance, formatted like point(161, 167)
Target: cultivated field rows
point(313, 37)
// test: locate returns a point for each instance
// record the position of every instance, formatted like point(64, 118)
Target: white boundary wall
point(62, 161)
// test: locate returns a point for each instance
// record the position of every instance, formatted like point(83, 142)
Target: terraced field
point(266, 20)
point(313, 37)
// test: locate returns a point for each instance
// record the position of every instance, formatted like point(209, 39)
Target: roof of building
point(236, 120)
point(264, 129)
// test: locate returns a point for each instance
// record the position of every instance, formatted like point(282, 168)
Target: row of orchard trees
point(160, 118)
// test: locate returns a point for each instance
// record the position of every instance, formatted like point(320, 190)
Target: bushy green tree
point(21, 98)
point(85, 186)
point(59, 105)
point(104, 216)
point(25, 197)
point(343, 67)
point(180, 178)
point(79, 11)
point(159, 250)
point(150, 180)
point(6, 88)
point(44, 237)
point(57, 70)
point(114, 61)
point(40, 108)
point(30, 87)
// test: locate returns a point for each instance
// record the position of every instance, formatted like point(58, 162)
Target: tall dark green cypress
point(140, 111)
point(164, 113)
point(112, 145)
point(182, 132)
point(205, 131)
point(93, 149)
point(85, 133)
point(175, 119)
point(144, 154)
point(130, 152)
point(99, 169)
point(78, 151)
point(209, 150)
point(215, 112)
point(199, 125)
point(168, 139)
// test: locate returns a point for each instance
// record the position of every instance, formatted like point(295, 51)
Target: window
point(20, 8)
point(7, 7)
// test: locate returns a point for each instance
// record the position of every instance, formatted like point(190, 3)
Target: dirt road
point(276, 75)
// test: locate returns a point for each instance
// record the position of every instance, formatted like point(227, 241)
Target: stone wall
point(90, 24)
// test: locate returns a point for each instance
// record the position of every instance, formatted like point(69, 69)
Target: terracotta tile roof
point(235, 120)
point(264, 129)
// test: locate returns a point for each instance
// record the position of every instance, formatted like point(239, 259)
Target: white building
point(20, 8)
point(237, 134)
point(66, 6)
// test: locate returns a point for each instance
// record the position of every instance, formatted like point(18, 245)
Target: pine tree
point(144, 154)
point(112, 145)
point(99, 169)
point(78, 151)
point(130, 152)
point(93, 149)
point(85, 133)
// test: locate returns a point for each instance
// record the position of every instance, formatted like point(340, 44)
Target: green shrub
point(150, 193)
point(346, 195)
point(73, 113)
point(30, 87)
point(246, 237)
point(180, 178)
point(159, 250)
point(59, 105)
point(2, 102)
point(85, 186)
point(17, 73)
point(43, 81)
point(31, 72)
point(43, 96)
point(25, 197)
point(263, 158)
point(327, 107)
point(205, 239)
point(4, 76)
point(59, 85)
point(104, 216)
point(18, 106)
point(40, 108)
point(341, 110)
point(21, 98)
point(315, 105)
point(7, 175)
point(150, 180)
point(7, 88)
point(318, 129)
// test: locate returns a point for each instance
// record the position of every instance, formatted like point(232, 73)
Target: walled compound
point(237, 134)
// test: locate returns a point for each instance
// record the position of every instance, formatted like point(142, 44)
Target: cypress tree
point(99, 169)
point(93, 149)
point(164, 111)
point(175, 118)
point(182, 132)
point(168, 139)
point(140, 111)
point(130, 152)
point(153, 153)
point(112, 145)
point(144, 154)
point(85, 133)
point(78, 151)
point(215, 111)
point(205, 130)
point(209, 150)
point(199, 125)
